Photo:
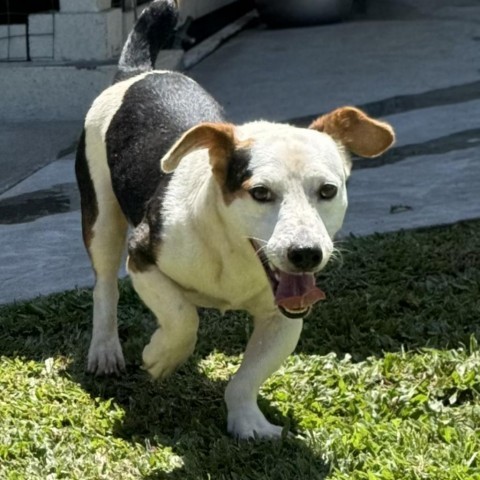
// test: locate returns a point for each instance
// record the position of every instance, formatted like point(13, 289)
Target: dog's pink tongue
point(297, 292)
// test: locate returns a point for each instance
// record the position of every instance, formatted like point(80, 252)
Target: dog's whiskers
point(337, 255)
point(260, 240)
point(258, 249)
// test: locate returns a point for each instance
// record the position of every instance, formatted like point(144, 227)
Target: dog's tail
point(152, 31)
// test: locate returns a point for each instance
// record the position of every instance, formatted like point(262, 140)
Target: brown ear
point(217, 137)
point(360, 134)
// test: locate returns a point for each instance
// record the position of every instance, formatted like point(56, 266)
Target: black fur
point(153, 31)
point(238, 170)
point(141, 248)
point(155, 111)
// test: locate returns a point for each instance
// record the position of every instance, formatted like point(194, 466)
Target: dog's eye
point(327, 191)
point(261, 194)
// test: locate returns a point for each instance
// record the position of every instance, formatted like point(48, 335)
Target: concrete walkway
point(415, 63)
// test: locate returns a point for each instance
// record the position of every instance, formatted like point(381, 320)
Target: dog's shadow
point(187, 413)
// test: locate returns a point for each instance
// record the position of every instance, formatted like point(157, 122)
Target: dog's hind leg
point(104, 233)
point(175, 338)
point(106, 252)
point(272, 341)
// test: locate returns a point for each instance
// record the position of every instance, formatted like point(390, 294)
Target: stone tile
point(100, 35)
point(41, 47)
point(41, 23)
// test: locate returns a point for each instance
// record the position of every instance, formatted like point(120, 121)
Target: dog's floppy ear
point(217, 137)
point(360, 134)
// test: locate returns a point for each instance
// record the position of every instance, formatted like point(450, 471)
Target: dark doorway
point(17, 11)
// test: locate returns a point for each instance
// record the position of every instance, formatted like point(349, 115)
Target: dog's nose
point(305, 258)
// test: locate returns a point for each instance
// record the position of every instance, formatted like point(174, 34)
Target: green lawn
point(385, 383)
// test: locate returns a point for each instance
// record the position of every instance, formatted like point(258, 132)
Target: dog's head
point(285, 190)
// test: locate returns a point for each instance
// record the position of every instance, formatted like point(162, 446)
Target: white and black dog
point(223, 216)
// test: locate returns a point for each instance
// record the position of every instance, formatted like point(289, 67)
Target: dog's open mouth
point(295, 293)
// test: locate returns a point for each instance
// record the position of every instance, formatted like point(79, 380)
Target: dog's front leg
point(175, 338)
point(273, 339)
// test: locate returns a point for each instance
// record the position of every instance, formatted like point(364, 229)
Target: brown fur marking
point(360, 134)
point(223, 149)
point(141, 252)
point(217, 137)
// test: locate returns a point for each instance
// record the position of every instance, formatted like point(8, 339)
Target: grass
point(384, 384)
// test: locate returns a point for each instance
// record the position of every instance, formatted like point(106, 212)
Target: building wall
point(73, 58)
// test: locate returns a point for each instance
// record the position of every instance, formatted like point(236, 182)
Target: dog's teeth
point(300, 310)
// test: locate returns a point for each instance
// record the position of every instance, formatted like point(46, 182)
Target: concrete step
point(58, 91)
point(50, 91)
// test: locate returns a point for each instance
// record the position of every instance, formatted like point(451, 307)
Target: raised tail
point(152, 31)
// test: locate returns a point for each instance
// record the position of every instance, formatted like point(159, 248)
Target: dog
point(220, 215)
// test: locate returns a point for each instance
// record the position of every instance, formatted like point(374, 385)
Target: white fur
point(206, 258)
point(176, 336)
point(293, 163)
point(217, 266)
point(274, 338)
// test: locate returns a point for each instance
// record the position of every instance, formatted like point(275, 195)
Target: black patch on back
point(238, 170)
point(155, 112)
point(88, 197)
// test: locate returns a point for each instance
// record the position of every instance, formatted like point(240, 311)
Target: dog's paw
point(250, 423)
point(162, 364)
point(162, 356)
point(160, 370)
point(105, 357)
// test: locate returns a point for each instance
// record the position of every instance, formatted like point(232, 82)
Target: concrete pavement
point(415, 63)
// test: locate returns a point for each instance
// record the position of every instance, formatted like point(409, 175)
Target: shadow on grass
point(404, 291)
point(185, 413)
point(288, 460)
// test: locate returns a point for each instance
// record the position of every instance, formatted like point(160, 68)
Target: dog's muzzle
point(295, 293)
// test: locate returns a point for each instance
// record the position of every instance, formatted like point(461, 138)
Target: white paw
point(249, 422)
point(162, 359)
point(162, 366)
point(105, 356)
